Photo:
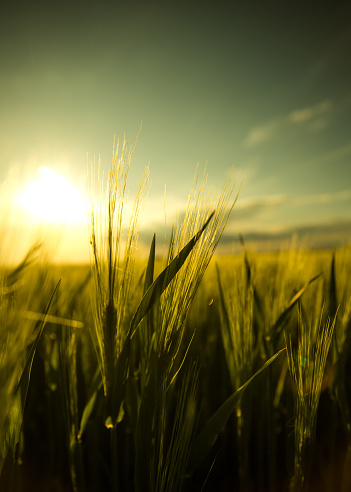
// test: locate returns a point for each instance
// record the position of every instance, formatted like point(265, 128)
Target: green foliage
point(169, 424)
point(307, 365)
point(166, 375)
point(161, 283)
point(208, 436)
point(14, 419)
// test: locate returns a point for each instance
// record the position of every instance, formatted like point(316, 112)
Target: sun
point(52, 199)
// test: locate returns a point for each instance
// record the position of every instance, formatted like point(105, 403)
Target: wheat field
point(187, 372)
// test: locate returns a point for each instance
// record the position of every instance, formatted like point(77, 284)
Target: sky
point(261, 86)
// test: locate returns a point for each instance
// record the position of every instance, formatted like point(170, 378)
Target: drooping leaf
point(209, 434)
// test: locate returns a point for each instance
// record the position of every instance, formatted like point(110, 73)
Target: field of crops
point(175, 374)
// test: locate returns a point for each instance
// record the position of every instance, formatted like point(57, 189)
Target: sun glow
point(52, 199)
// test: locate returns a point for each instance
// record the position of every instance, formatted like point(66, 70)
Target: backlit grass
point(183, 373)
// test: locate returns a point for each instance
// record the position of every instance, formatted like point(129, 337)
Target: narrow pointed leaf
point(149, 274)
point(258, 324)
point(225, 325)
point(208, 436)
point(119, 382)
point(171, 247)
point(149, 278)
point(56, 320)
point(96, 386)
point(333, 303)
point(224, 311)
point(160, 284)
point(248, 270)
point(283, 318)
point(333, 308)
point(151, 295)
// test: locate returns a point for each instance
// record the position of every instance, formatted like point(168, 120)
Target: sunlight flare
point(53, 199)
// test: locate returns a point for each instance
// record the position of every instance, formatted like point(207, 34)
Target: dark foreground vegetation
point(66, 443)
point(126, 376)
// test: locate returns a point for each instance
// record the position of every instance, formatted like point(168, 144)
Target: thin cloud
point(328, 234)
point(249, 217)
point(302, 115)
point(315, 115)
point(252, 207)
point(323, 198)
point(260, 134)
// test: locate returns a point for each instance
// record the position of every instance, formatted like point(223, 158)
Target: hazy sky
point(264, 86)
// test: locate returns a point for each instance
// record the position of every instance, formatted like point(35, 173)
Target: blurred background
point(262, 86)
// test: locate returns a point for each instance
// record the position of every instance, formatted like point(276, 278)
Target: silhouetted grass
point(120, 378)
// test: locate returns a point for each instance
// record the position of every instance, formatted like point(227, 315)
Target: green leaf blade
point(208, 436)
point(166, 276)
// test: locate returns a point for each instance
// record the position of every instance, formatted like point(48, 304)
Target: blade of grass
point(209, 434)
point(149, 278)
point(160, 284)
point(150, 297)
point(149, 274)
point(283, 318)
point(96, 386)
point(333, 304)
point(225, 326)
point(48, 318)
